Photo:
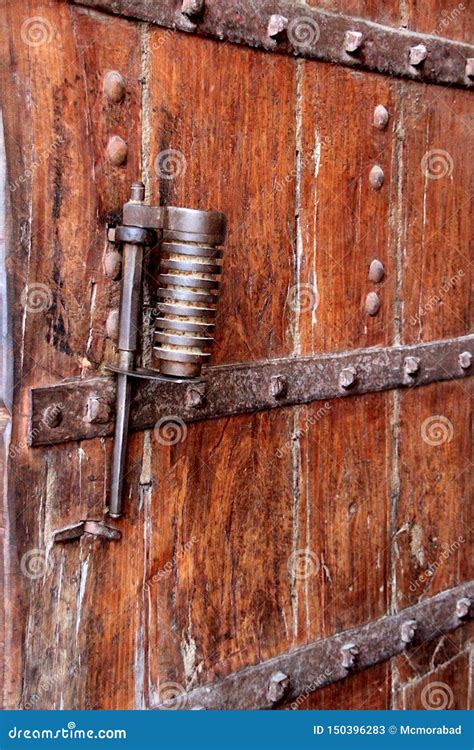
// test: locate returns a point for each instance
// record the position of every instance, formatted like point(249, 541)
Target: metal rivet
point(353, 41)
point(113, 265)
point(376, 177)
point(408, 630)
point(372, 304)
point(112, 325)
point(418, 54)
point(192, 8)
point(462, 607)
point(194, 398)
point(277, 26)
point(411, 365)
point(381, 117)
point(347, 377)
point(376, 271)
point(117, 151)
point(111, 234)
point(349, 654)
point(470, 67)
point(465, 360)
point(53, 416)
point(278, 386)
point(114, 86)
point(97, 411)
point(278, 686)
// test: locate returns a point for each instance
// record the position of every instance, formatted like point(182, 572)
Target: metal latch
point(189, 270)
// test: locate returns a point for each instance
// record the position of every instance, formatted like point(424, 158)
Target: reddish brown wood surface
point(256, 533)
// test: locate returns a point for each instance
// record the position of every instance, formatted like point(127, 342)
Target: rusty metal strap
point(293, 676)
point(82, 409)
point(297, 29)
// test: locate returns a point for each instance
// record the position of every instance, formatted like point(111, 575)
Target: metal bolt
point(194, 398)
point(381, 117)
point(462, 607)
point(112, 324)
point(376, 177)
point(117, 151)
point(277, 26)
point(372, 304)
point(278, 386)
point(349, 654)
point(470, 67)
point(465, 360)
point(114, 86)
point(277, 686)
point(347, 377)
point(411, 365)
point(376, 271)
point(192, 8)
point(408, 630)
point(418, 54)
point(53, 416)
point(353, 41)
point(97, 412)
point(137, 192)
point(113, 265)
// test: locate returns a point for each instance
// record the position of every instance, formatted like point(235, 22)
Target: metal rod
point(128, 336)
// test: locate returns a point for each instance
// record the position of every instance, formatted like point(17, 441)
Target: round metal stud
point(372, 304)
point(114, 86)
point(376, 271)
point(376, 177)
point(117, 151)
point(381, 117)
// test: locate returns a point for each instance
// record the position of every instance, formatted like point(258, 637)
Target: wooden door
point(301, 540)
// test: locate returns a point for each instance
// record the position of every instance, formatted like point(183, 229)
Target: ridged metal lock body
point(189, 281)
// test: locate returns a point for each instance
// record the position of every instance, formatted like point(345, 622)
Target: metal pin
point(353, 41)
point(418, 55)
point(408, 630)
point(349, 652)
point(277, 686)
point(278, 386)
point(411, 365)
point(277, 26)
point(465, 360)
point(347, 377)
point(462, 607)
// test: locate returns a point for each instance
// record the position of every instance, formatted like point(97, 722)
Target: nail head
point(114, 86)
point(353, 41)
point(418, 54)
point(381, 117)
point(376, 271)
point(372, 304)
point(117, 151)
point(465, 360)
point(277, 25)
point(376, 177)
point(347, 377)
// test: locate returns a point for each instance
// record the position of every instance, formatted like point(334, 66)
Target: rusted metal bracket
point(63, 412)
point(77, 530)
point(292, 28)
point(323, 662)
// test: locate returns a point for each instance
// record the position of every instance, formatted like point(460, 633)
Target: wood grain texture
point(342, 521)
point(436, 287)
point(217, 106)
point(365, 691)
point(445, 18)
point(447, 687)
point(344, 223)
point(433, 508)
point(219, 546)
